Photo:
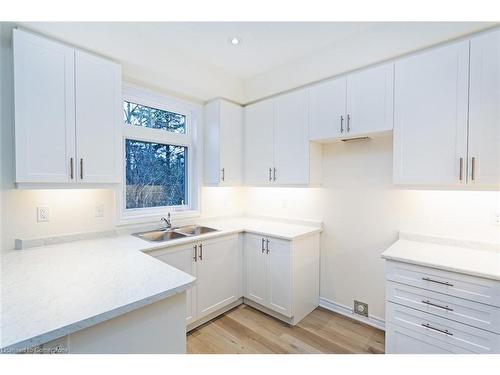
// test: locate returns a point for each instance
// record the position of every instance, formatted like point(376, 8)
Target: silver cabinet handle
point(341, 124)
point(71, 168)
point(195, 253)
point(473, 169)
point(81, 169)
point(223, 176)
point(270, 174)
point(461, 169)
point(427, 302)
point(437, 282)
point(262, 247)
point(267, 246)
point(274, 174)
point(201, 251)
point(445, 331)
point(348, 123)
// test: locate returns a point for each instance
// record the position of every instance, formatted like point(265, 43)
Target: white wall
point(362, 213)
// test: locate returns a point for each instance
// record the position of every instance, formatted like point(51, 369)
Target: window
point(158, 145)
point(155, 174)
point(141, 115)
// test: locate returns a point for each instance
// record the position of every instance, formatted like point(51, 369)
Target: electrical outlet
point(495, 218)
point(99, 211)
point(361, 308)
point(42, 214)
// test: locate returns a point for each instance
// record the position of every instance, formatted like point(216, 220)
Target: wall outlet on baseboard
point(495, 218)
point(361, 308)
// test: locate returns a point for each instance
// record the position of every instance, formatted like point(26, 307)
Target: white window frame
point(190, 139)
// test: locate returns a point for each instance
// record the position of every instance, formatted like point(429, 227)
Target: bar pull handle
point(348, 123)
point(270, 174)
point(473, 169)
point(341, 124)
point(195, 253)
point(267, 246)
point(71, 168)
point(461, 169)
point(438, 306)
point(201, 251)
point(437, 281)
point(223, 177)
point(263, 245)
point(445, 331)
point(274, 174)
point(81, 169)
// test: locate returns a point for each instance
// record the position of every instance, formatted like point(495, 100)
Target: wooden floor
point(246, 330)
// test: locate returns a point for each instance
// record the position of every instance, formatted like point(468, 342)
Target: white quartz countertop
point(51, 291)
point(476, 260)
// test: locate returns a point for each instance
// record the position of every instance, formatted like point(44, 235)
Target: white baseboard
point(347, 311)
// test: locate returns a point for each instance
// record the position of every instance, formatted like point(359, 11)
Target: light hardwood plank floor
point(245, 330)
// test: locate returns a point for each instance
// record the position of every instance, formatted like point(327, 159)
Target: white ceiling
point(196, 60)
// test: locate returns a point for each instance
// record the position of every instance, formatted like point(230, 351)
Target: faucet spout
point(168, 222)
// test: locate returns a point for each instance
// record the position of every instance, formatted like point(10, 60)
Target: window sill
point(155, 217)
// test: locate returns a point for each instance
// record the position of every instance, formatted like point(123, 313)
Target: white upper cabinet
point(430, 116)
point(258, 146)
point(484, 110)
point(359, 104)
point(44, 109)
point(98, 118)
point(223, 143)
point(291, 145)
point(327, 109)
point(67, 113)
point(370, 94)
point(277, 150)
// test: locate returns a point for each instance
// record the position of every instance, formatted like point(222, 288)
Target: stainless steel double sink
point(162, 235)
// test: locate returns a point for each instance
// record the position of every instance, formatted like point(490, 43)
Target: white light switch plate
point(42, 214)
point(99, 211)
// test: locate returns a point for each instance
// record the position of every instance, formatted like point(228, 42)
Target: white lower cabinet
point(279, 277)
point(216, 263)
point(182, 258)
point(218, 273)
point(282, 276)
point(433, 311)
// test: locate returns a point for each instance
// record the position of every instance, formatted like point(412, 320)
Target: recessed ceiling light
point(234, 41)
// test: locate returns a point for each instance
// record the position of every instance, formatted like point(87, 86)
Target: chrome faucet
point(168, 222)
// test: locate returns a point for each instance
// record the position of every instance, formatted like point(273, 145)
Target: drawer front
point(455, 284)
point(461, 310)
point(400, 340)
point(448, 332)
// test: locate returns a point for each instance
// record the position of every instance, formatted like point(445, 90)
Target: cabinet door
point(255, 268)
point(279, 281)
point(230, 145)
point(327, 109)
point(98, 118)
point(484, 110)
point(430, 124)
point(370, 100)
point(218, 274)
point(258, 156)
point(291, 139)
point(182, 258)
point(44, 109)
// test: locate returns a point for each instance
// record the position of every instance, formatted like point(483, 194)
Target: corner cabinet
point(356, 105)
point(67, 113)
point(447, 115)
point(282, 276)
point(276, 147)
point(223, 143)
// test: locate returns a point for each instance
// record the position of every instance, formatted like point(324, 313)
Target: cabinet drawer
point(451, 283)
point(461, 310)
point(445, 332)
